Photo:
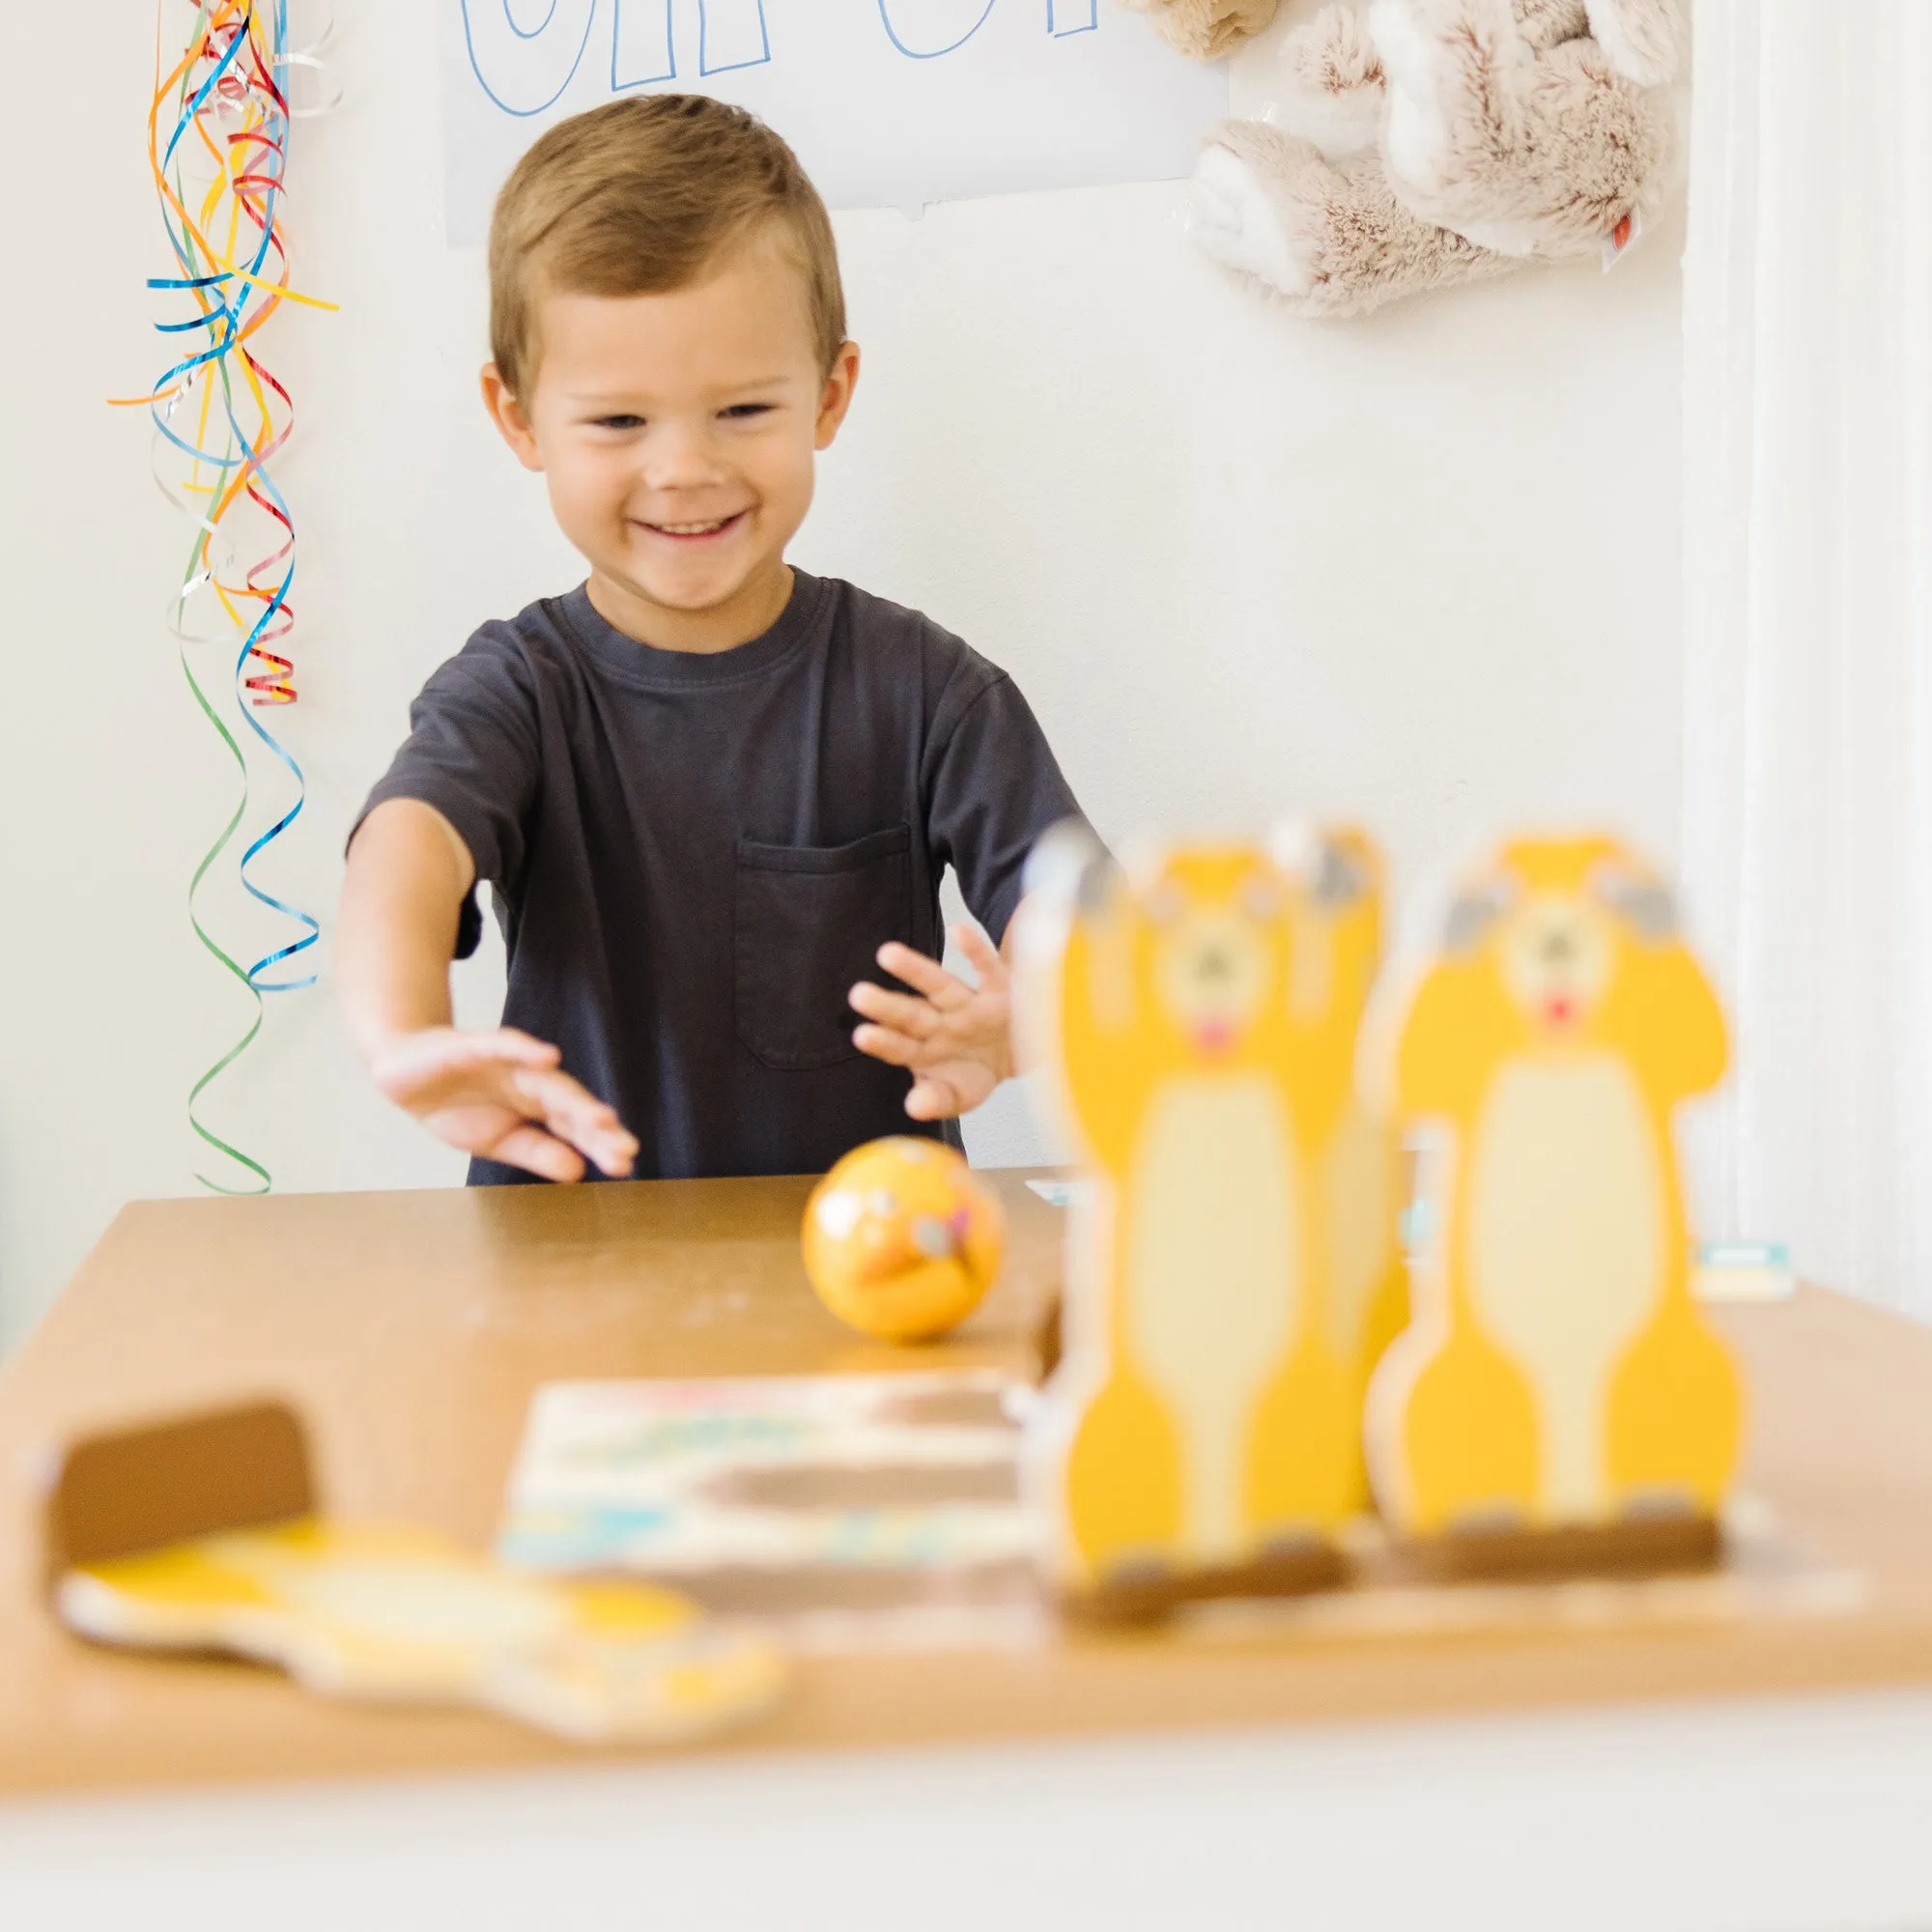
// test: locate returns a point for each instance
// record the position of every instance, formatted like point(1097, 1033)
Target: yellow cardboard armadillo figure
point(1234, 1269)
point(1557, 1372)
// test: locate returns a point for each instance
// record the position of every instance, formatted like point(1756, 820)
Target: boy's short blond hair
point(641, 197)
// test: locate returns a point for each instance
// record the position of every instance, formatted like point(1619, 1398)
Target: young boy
point(710, 792)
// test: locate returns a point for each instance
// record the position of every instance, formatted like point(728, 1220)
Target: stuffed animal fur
point(1421, 143)
point(1207, 29)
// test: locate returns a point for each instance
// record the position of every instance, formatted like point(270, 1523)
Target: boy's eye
point(619, 423)
point(739, 411)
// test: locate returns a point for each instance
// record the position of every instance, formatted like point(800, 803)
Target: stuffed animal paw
point(1331, 236)
point(1207, 29)
point(1421, 143)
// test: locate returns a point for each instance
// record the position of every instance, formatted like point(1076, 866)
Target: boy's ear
point(835, 398)
point(507, 414)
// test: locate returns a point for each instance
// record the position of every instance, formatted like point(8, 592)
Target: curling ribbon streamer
point(218, 145)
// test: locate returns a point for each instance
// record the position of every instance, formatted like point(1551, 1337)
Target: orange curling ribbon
point(218, 144)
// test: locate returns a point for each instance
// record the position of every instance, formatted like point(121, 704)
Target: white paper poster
point(889, 102)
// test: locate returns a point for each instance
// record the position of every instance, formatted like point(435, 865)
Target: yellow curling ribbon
point(220, 415)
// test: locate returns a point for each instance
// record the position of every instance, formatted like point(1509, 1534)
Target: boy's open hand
point(503, 1096)
point(955, 1039)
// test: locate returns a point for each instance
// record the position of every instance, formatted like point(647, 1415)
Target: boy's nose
point(681, 456)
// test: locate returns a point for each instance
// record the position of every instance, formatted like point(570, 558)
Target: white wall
point(1422, 570)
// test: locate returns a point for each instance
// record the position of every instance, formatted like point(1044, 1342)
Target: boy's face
point(677, 433)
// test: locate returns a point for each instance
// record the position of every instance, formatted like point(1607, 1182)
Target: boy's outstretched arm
point(499, 1094)
point(955, 1039)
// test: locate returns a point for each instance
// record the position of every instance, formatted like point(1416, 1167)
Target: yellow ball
point(902, 1240)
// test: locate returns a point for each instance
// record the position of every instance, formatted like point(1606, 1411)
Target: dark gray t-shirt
point(695, 857)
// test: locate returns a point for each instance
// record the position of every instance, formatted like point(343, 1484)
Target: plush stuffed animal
point(1427, 142)
point(1207, 29)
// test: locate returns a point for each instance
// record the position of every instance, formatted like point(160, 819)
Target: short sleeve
point(473, 754)
point(995, 788)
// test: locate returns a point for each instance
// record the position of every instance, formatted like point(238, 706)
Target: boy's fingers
point(898, 1049)
point(933, 1100)
point(983, 955)
point(575, 1115)
point(899, 1011)
point(894, 1048)
point(604, 1142)
point(522, 1047)
point(944, 989)
point(421, 1065)
point(600, 1135)
point(549, 1091)
point(536, 1152)
point(505, 1046)
point(615, 1150)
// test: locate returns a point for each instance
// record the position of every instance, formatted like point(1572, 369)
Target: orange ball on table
point(902, 1240)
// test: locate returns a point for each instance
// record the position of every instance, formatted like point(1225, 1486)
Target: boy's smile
point(677, 433)
point(696, 532)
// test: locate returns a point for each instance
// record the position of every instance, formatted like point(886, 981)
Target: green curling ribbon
point(264, 1180)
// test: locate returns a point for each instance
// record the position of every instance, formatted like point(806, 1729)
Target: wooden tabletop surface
point(411, 1329)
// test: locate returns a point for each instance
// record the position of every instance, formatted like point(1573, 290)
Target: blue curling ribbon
point(228, 95)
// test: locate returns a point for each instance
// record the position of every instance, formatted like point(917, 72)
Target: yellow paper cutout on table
point(1557, 1372)
point(1234, 1269)
point(398, 1615)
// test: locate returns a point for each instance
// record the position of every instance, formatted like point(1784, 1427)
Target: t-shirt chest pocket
point(810, 920)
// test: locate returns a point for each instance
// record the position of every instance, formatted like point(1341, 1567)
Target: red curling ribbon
point(220, 417)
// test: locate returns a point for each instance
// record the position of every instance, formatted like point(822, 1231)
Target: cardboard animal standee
point(1558, 1373)
point(1234, 1269)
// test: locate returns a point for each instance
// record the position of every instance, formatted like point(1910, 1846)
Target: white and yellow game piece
point(399, 1615)
point(1234, 1269)
point(200, 1534)
point(1557, 1372)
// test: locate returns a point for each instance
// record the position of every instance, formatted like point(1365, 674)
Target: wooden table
point(412, 1327)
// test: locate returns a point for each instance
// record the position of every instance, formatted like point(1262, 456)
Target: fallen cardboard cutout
point(202, 1533)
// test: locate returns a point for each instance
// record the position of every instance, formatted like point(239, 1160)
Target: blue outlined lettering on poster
point(889, 102)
